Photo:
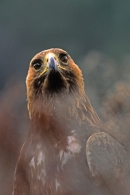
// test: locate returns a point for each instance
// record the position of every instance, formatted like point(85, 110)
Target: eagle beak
point(52, 64)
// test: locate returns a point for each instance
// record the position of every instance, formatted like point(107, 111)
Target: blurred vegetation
point(97, 36)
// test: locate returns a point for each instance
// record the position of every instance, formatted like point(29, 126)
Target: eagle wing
point(108, 163)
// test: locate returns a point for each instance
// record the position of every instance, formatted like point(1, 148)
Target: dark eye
point(37, 64)
point(63, 57)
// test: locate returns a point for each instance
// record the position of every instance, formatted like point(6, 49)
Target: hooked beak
point(52, 64)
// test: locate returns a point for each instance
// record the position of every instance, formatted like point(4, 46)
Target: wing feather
point(108, 162)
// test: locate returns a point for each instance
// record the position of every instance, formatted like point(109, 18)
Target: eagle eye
point(36, 64)
point(63, 57)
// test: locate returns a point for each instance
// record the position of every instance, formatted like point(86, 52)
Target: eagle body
point(56, 162)
point(65, 147)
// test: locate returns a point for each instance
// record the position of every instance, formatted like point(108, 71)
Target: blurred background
point(96, 33)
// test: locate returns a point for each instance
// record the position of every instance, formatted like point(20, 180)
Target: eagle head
point(53, 71)
point(53, 76)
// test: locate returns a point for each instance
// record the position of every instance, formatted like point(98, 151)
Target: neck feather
point(64, 107)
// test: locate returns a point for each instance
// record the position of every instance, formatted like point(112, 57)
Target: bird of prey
point(66, 151)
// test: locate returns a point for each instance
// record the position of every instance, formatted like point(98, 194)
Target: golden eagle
point(66, 151)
